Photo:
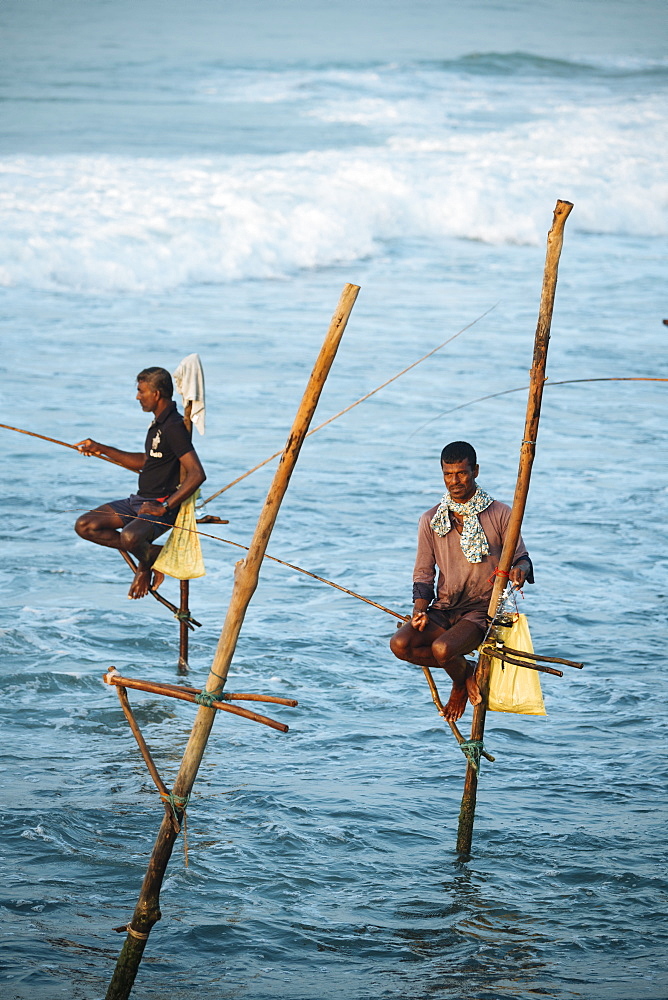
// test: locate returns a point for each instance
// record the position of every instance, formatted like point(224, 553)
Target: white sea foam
point(449, 155)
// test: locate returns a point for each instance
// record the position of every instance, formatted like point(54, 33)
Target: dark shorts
point(466, 632)
point(130, 507)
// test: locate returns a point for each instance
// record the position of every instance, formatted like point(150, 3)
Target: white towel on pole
point(189, 381)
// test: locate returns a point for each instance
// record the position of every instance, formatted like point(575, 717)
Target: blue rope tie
point(206, 698)
point(472, 750)
point(175, 802)
point(178, 802)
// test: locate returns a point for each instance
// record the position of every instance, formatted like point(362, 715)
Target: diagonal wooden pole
point(147, 910)
point(555, 239)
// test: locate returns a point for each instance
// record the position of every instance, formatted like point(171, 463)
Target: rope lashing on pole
point(473, 751)
point(132, 932)
point(175, 802)
point(178, 803)
point(206, 698)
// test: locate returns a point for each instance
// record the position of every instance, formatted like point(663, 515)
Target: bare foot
point(472, 688)
point(140, 584)
point(456, 703)
point(158, 577)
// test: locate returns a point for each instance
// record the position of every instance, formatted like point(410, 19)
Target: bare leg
point(439, 647)
point(447, 650)
point(413, 646)
point(462, 689)
point(105, 527)
point(101, 526)
point(146, 578)
point(472, 688)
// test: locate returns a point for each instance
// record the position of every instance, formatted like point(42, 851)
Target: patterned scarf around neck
point(473, 540)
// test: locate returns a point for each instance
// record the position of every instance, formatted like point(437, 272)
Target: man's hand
point(89, 447)
point(151, 508)
point(133, 460)
point(518, 574)
point(420, 618)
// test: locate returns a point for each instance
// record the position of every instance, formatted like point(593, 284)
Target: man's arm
point(192, 476)
point(424, 573)
point(133, 460)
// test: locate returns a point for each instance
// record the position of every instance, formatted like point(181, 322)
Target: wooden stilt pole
point(527, 453)
point(147, 910)
point(184, 585)
point(183, 627)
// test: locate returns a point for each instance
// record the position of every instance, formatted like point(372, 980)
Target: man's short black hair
point(158, 378)
point(459, 451)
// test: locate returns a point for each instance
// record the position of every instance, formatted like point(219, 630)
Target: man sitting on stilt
point(440, 631)
point(169, 472)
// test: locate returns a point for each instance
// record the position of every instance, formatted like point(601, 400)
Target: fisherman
point(168, 460)
point(440, 631)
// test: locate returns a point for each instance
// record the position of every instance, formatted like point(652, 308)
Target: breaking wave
point(470, 155)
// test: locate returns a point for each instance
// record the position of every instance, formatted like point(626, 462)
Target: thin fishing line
point(521, 388)
point(213, 496)
point(282, 562)
point(314, 576)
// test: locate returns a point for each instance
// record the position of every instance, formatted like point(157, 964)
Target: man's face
point(148, 397)
point(459, 479)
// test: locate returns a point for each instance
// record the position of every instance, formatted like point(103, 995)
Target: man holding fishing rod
point(441, 630)
point(169, 472)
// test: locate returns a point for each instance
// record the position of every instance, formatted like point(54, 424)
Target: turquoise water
point(209, 183)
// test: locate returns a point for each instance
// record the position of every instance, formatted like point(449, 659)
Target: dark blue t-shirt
point(167, 441)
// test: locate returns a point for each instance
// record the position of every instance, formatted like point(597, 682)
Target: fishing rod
point(351, 406)
point(461, 406)
point(547, 384)
point(65, 444)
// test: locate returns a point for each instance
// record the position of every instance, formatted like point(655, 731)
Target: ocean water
point(207, 178)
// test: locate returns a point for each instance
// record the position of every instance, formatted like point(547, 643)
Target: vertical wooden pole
point(184, 590)
point(184, 585)
point(527, 452)
point(147, 910)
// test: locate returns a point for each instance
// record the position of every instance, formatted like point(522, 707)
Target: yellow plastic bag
point(181, 555)
point(512, 688)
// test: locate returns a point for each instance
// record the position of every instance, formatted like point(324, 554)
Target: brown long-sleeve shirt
point(462, 587)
